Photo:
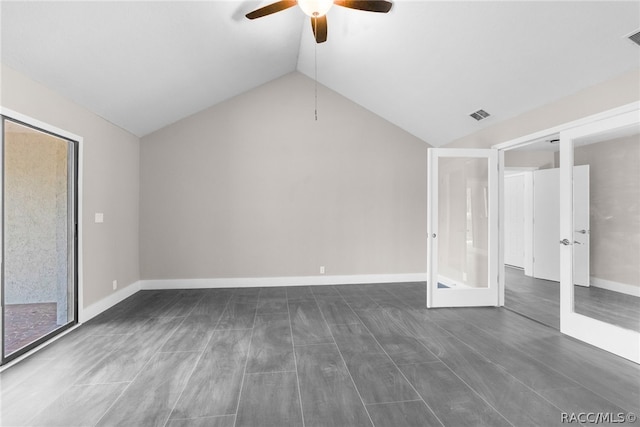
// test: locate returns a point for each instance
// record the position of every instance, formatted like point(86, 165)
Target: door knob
point(565, 242)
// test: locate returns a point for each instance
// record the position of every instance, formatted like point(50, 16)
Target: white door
point(546, 224)
point(462, 223)
point(514, 222)
point(581, 231)
point(592, 327)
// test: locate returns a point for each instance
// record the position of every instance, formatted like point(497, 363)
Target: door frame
point(78, 144)
point(571, 323)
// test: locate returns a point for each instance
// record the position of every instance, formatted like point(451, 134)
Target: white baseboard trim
point(104, 304)
point(623, 288)
point(252, 282)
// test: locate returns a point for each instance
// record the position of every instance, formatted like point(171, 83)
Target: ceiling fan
point(317, 10)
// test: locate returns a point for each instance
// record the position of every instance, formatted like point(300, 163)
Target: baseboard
point(252, 282)
point(623, 288)
point(104, 304)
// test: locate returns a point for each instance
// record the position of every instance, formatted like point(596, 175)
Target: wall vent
point(635, 37)
point(479, 115)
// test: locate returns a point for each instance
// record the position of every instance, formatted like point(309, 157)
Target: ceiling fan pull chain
point(315, 61)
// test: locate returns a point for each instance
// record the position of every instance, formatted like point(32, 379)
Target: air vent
point(635, 37)
point(479, 115)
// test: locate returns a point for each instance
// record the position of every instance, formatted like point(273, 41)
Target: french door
point(462, 222)
point(606, 316)
point(39, 236)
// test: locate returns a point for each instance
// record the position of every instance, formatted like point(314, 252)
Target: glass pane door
point(38, 237)
point(462, 224)
point(600, 234)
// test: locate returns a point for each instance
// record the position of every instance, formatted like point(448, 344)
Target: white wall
point(110, 182)
point(255, 187)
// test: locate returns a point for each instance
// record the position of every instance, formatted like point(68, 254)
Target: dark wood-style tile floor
point(347, 356)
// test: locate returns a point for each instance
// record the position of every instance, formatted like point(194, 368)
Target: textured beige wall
point(254, 187)
point(35, 204)
point(614, 188)
point(110, 183)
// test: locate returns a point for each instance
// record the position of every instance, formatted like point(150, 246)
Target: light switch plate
point(99, 217)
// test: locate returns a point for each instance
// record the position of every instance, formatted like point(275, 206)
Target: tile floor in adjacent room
point(350, 355)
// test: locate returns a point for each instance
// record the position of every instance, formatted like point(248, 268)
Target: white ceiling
point(424, 66)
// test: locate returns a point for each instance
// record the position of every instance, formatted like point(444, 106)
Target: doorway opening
point(531, 185)
point(39, 236)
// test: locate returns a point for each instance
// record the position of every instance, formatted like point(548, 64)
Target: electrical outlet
point(322, 269)
point(115, 285)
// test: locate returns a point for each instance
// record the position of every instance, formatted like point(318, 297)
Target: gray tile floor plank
point(580, 400)
point(403, 414)
point(212, 305)
point(238, 315)
point(271, 346)
point(272, 305)
point(81, 405)
point(307, 324)
point(452, 401)
point(192, 334)
point(214, 387)
point(150, 397)
point(530, 371)
point(125, 363)
point(610, 376)
point(21, 400)
point(405, 350)
point(269, 399)
point(115, 325)
point(328, 395)
point(299, 292)
point(153, 306)
point(354, 338)
point(377, 378)
point(337, 312)
point(500, 389)
point(221, 421)
point(326, 290)
point(182, 305)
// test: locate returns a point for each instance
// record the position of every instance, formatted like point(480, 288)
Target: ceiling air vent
point(479, 115)
point(635, 37)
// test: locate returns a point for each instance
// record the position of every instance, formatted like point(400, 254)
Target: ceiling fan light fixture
point(315, 8)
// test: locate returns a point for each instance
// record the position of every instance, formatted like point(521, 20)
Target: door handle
point(581, 231)
point(565, 242)
point(576, 242)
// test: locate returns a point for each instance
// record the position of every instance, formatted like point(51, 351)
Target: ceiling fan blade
point(381, 6)
point(319, 26)
point(272, 8)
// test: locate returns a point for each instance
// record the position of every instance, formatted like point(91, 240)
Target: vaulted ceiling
point(424, 66)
